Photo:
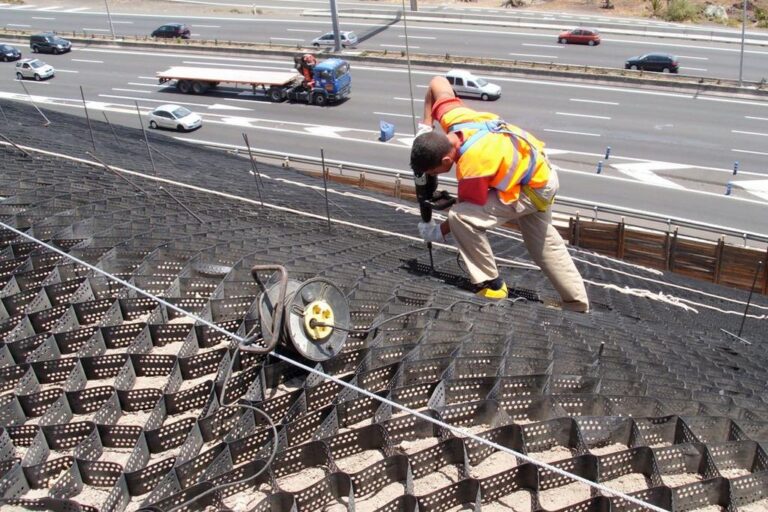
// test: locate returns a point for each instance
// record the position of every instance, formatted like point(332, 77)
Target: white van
point(466, 84)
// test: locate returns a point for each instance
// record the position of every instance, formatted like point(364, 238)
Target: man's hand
point(430, 232)
point(423, 128)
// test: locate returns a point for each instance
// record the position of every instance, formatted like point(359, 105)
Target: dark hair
point(428, 151)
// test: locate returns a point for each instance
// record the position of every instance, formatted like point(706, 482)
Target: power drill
point(429, 199)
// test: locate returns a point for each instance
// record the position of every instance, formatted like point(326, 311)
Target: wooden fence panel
point(646, 248)
point(694, 259)
point(738, 267)
point(601, 237)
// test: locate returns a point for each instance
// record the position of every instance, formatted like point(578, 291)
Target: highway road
point(483, 37)
point(691, 141)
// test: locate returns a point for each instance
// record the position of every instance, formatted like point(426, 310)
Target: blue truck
point(319, 83)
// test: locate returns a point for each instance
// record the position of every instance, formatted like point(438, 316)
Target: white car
point(174, 117)
point(348, 39)
point(34, 68)
point(466, 84)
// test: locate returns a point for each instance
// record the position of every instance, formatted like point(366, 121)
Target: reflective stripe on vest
point(515, 134)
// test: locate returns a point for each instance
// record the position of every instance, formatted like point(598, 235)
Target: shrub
point(656, 7)
point(681, 10)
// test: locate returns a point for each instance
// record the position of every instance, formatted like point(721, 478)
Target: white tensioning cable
point(452, 428)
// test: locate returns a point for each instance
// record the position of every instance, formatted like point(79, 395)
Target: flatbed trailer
point(273, 84)
point(329, 82)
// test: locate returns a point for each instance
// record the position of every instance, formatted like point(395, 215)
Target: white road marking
point(32, 82)
point(42, 18)
point(398, 46)
point(595, 101)
point(58, 70)
point(543, 45)
point(692, 58)
point(756, 118)
point(390, 114)
point(572, 133)
point(122, 23)
point(284, 39)
point(301, 30)
point(757, 188)
point(130, 90)
point(17, 25)
point(643, 171)
point(692, 69)
point(185, 103)
point(408, 99)
point(95, 29)
point(535, 56)
point(749, 133)
point(146, 85)
point(196, 25)
point(417, 37)
point(582, 115)
point(749, 152)
point(86, 60)
point(52, 8)
point(76, 9)
point(219, 106)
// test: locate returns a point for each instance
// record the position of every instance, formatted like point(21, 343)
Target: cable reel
point(309, 312)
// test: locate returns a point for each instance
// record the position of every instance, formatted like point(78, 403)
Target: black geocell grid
point(111, 401)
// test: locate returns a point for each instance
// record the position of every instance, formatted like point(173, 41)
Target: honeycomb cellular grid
point(112, 401)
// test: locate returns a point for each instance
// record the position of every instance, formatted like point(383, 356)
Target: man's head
point(432, 153)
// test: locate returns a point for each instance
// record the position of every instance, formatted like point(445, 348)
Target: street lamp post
point(109, 17)
point(335, 23)
point(743, 29)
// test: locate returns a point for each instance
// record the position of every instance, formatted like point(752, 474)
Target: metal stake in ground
point(3, 112)
point(9, 141)
point(88, 118)
point(32, 100)
point(255, 172)
point(201, 221)
point(749, 299)
point(119, 175)
point(146, 139)
point(325, 186)
point(110, 127)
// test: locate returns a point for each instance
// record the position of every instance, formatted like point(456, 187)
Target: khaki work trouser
point(469, 223)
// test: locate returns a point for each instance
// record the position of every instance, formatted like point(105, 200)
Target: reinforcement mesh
point(112, 401)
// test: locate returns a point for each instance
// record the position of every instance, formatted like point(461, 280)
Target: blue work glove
point(430, 232)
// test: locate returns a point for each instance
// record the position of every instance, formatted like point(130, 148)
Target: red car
point(580, 36)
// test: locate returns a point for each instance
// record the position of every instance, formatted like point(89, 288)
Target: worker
point(503, 175)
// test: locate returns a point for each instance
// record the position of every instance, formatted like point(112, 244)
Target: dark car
point(172, 30)
point(9, 53)
point(579, 36)
point(49, 42)
point(663, 62)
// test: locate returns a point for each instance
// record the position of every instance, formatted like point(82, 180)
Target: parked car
point(34, 68)
point(588, 36)
point(9, 53)
point(348, 40)
point(49, 42)
point(174, 117)
point(173, 30)
point(466, 84)
point(653, 62)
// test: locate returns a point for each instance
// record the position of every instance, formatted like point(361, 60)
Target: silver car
point(33, 68)
point(348, 40)
point(174, 117)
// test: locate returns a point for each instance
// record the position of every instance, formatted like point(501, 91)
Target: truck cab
point(331, 82)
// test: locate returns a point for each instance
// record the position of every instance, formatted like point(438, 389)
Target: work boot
point(495, 289)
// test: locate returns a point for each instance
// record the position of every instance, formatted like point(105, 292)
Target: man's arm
point(438, 89)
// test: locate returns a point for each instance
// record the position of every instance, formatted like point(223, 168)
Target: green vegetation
point(681, 10)
point(761, 17)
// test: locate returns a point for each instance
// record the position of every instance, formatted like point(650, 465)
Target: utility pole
point(410, 75)
point(109, 17)
point(335, 23)
point(743, 28)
